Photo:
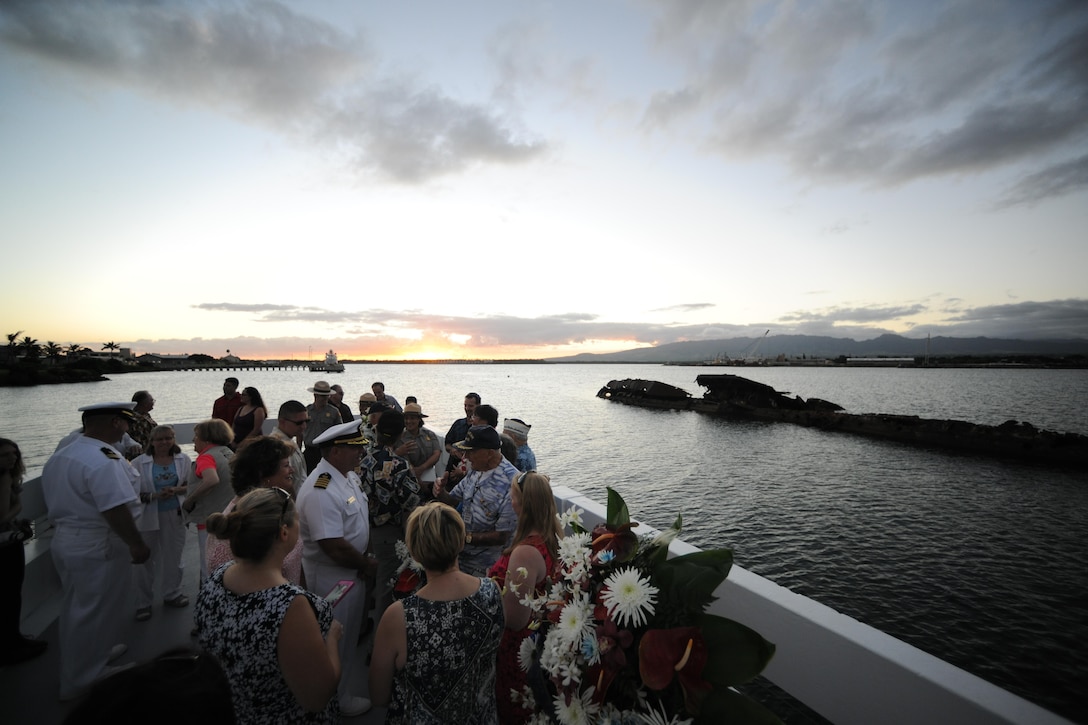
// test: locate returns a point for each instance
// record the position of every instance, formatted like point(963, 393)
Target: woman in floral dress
point(278, 643)
point(535, 550)
point(434, 652)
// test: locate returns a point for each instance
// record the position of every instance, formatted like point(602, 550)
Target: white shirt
point(331, 506)
point(85, 478)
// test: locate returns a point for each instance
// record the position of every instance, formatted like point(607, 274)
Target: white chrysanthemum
point(575, 621)
point(655, 717)
point(525, 653)
point(629, 597)
point(539, 718)
point(581, 710)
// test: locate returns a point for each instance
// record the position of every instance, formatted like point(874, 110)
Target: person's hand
point(189, 505)
point(140, 552)
point(369, 569)
point(439, 487)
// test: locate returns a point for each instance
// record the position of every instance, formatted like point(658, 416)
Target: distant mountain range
point(814, 346)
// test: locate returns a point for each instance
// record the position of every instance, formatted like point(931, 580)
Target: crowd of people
point(298, 535)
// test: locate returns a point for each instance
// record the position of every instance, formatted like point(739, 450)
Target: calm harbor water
point(983, 563)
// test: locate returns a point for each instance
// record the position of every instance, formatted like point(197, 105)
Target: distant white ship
point(329, 366)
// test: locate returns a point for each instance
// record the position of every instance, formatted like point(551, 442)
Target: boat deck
point(30, 690)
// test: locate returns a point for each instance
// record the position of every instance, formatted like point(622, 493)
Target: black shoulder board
point(110, 453)
point(322, 481)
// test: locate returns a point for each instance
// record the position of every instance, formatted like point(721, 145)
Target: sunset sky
point(526, 179)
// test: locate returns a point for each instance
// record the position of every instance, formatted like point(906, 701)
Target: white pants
point(167, 545)
point(320, 579)
point(95, 574)
point(202, 543)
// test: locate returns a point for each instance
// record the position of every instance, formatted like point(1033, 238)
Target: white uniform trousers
point(95, 569)
point(167, 545)
point(320, 579)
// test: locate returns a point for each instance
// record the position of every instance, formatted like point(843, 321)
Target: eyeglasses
point(304, 421)
point(286, 500)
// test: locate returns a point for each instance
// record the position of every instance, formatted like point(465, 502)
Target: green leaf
point(694, 577)
point(618, 515)
point(736, 653)
point(728, 706)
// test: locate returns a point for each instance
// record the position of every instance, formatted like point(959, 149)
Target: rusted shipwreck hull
point(732, 396)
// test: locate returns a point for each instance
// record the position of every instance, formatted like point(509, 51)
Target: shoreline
point(23, 375)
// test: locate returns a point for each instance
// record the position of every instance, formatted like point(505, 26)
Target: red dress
point(508, 674)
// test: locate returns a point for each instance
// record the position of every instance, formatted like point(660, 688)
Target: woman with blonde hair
point(434, 652)
point(277, 642)
point(164, 469)
point(528, 563)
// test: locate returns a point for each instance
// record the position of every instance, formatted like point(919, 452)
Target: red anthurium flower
point(680, 651)
point(407, 582)
point(620, 540)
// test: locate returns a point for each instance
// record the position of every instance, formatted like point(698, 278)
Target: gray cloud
point(264, 62)
point(886, 93)
point(690, 307)
point(1058, 180)
point(375, 329)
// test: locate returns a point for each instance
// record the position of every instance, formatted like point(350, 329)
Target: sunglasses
point(286, 500)
point(304, 421)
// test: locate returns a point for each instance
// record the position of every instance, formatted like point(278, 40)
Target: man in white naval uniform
point(335, 529)
point(91, 492)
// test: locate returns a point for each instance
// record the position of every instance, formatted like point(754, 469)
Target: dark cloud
point(855, 314)
point(690, 307)
point(376, 330)
point(264, 62)
point(1058, 180)
point(1056, 319)
point(886, 93)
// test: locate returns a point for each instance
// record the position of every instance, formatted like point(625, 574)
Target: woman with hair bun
point(277, 642)
point(434, 652)
point(528, 563)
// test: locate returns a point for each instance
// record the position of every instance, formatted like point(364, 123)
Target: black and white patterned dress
point(242, 630)
point(449, 675)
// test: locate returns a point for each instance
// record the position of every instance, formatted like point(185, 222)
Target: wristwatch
point(468, 538)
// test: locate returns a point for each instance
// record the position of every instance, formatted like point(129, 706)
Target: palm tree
point(111, 346)
point(52, 351)
point(73, 350)
point(31, 348)
point(12, 338)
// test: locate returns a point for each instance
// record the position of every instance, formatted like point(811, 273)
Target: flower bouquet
point(409, 577)
point(622, 635)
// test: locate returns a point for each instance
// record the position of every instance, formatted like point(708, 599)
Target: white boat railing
point(847, 671)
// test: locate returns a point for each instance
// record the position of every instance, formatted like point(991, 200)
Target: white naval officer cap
point(122, 409)
point(516, 425)
point(345, 434)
